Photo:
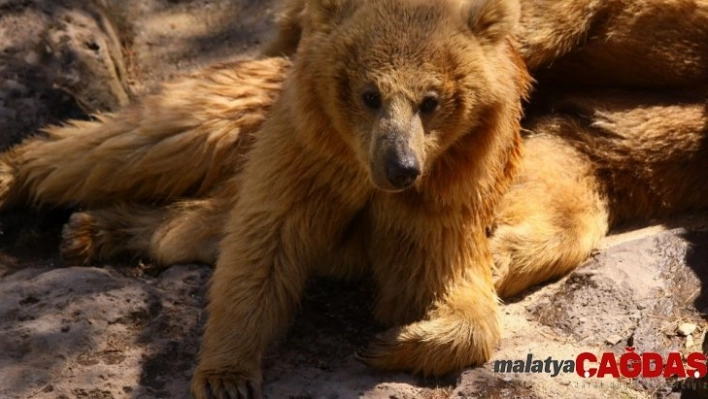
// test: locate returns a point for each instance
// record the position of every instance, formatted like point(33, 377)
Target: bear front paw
point(78, 239)
point(430, 348)
point(227, 385)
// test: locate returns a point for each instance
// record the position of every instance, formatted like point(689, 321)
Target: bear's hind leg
point(186, 231)
point(550, 220)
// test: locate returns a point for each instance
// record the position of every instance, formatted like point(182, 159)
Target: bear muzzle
point(395, 166)
point(396, 150)
point(402, 170)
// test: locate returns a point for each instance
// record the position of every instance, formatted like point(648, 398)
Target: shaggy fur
point(315, 186)
point(629, 43)
point(209, 132)
point(318, 171)
point(591, 162)
point(193, 173)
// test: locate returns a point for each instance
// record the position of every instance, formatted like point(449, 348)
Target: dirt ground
point(130, 330)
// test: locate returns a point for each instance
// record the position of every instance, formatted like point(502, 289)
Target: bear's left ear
point(324, 15)
point(493, 20)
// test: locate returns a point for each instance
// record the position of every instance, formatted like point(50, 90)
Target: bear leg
point(459, 330)
point(435, 287)
point(181, 141)
point(186, 231)
point(551, 219)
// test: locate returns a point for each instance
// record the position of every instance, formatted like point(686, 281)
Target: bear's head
point(399, 82)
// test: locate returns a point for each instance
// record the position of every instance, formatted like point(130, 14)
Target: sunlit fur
point(188, 167)
point(631, 43)
point(307, 185)
point(599, 159)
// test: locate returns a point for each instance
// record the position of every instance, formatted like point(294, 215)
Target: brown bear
point(570, 188)
point(630, 43)
point(312, 192)
point(393, 142)
point(387, 153)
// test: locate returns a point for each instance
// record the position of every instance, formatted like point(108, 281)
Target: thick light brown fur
point(181, 171)
point(142, 141)
point(596, 159)
point(317, 185)
point(629, 43)
point(319, 172)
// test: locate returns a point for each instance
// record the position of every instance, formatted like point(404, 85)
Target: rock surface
point(133, 331)
point(58, 59)
point(129, 330)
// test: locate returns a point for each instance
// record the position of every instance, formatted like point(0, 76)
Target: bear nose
point(402, 172)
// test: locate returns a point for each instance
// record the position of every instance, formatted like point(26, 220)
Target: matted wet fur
point(193, 174)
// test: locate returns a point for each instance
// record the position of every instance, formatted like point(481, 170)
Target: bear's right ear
point(324, 15)
point(493, 20)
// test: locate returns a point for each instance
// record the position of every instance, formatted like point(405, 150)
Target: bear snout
point(402, 170)
point(397, 148)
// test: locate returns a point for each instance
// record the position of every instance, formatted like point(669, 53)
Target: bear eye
point(428, 105)
point(372, 99)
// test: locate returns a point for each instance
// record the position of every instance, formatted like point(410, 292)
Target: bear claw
point(226, 387)
point(77, 243)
